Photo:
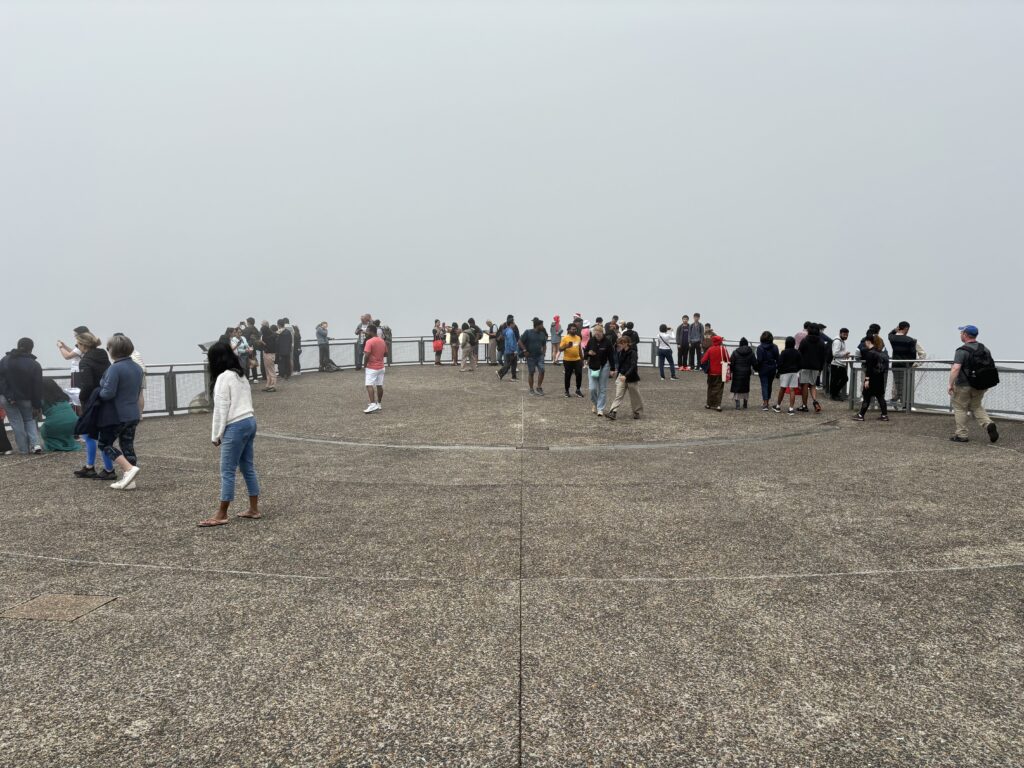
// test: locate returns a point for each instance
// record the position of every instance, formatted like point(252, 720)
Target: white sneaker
point(371, 408)
point(37, 449)
point(127, 481)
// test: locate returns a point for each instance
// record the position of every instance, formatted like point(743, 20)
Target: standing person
point(374, 352)
point(466, 341)
point(492, 342)
point(437, 341)
point(789, 375)
point(510, 348)
point(252, 335)
point(73, 355)
point(627, 380)
point(534, 343)
point(683, 342)
point(234, 432)
point(474, 349)
point(360, 334)
point(767, 365)
point(21, 395)
point(6, 449)
point(972, 374)
point(634, 337)
point(904, 350)
point(665, 341)
point(741, 362)
point(571, 346)
point(262, 346)
point(812, 358)
point(693, 352)
point(93, 366)
point(285, 350)
point(323, 346)
point(296, 349)
point(715, 359)
point(58, 429)
point(838, 376)
point(453, 341)
point(240, 346)
point(556, 339)
point(600, 366)
point(876, 367)
point(709, 334)
point(120, 414)
point(866, 343)
point(802, 334)
point(268, 337)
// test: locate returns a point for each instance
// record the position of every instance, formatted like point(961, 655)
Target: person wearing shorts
point(534, 344)
point(790, 364)
point(374, 352)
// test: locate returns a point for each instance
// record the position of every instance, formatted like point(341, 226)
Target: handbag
point(438, 345)
point(595, 373)
point(726, 367)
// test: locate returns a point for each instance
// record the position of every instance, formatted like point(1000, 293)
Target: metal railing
point(182, 388)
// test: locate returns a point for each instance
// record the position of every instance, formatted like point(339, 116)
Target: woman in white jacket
point(234, 431)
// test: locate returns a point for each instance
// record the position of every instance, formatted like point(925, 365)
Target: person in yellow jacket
point(571, 347)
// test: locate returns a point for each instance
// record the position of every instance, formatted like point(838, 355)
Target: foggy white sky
point(168, 168)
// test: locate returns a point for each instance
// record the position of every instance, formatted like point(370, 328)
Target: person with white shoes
point(374, 351)
point(120, 415)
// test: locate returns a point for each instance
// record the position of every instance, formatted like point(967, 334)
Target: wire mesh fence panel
point(931, 382)
point(405, 351)
point(190, 388)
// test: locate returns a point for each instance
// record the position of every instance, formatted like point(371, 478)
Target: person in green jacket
point(58, 429)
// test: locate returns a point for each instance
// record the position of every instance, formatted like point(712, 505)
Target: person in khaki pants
point(965, 397)
point(628, 379)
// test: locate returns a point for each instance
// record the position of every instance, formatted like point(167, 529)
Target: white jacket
point(232, 401)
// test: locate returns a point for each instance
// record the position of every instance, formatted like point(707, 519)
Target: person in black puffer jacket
point(741, 363)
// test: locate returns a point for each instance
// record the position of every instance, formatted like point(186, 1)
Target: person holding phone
point(571, 347)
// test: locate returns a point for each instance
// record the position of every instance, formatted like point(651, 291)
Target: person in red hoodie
point(712, 363)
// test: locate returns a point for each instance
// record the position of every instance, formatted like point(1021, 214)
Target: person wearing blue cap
point(973, 372)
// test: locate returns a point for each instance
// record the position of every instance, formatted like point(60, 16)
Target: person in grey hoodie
point(694, 353)
point(683, 342)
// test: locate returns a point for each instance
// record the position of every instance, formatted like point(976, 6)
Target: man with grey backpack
point(972, 374)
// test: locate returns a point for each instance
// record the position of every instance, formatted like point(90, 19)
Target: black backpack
point(980, 369)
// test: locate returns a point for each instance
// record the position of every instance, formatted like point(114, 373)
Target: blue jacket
point(120, 387)
point(321, 335)
point(511, 342)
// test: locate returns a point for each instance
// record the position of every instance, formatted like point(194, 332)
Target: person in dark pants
point(284, 350)
point(683, 342)
point(21, 395)
point(716, 357)
point(510, 336)
point(296, 348)
point(323, 346)
point(904, 349)
point(571, 346)
point(766, 365)
point(876, 367)
point(838, 376)
point(120, 414)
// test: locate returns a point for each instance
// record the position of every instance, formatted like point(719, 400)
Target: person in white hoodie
point(234, 432)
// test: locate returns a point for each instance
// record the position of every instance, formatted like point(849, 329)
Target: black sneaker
point(579, 394)
point(883, 417)
point(567, 393)
point(85, 472)
point(776, 408)
point(858, 417)
point(957, 439)
point(106, 474)
point(993, 432)
point(540, 391)
point(532, 392)
point(802, 409)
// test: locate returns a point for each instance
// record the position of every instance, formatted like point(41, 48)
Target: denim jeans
point(124, 434)
point(663, 355)
point(23, 423)
point(510, 365)
point(767, 376)
point(236, 452)
point(599, 388)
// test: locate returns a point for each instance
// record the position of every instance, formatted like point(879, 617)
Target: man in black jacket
point(904, 347)
point(285, 349)
point(21, 395)
point(812, 356)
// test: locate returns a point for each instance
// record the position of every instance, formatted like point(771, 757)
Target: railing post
point(170, 391)
point(908, 386)
point(654, 353)
point(851, 384)
point(423, 351)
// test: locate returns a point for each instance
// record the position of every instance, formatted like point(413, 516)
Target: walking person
point(972, 374)
point(741, 364)
point(627, 380)
point(233, 431)
point(374, 352)
point(454, 332)
point(600, 356)
point(683, 342)
point(467, 341)
point(789, 375)
point(556, 339)
point(509, 345)
point(119, 415)
point(876, 368)
point(665, 342)
point(766, 363)
point(713, 361)
point(812, 360)
point(534, 344)
point(838, 375)
point(437, 342)
point(268, 337)
point(571, 346)
point(694, 352)
point(21, 395)
point(92, 367)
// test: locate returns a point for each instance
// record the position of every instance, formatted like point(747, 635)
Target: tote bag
point(726, 367)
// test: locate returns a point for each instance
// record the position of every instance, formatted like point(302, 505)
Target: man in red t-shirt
point(373, 361)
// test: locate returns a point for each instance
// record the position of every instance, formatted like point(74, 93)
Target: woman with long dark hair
point(571, 346)
point(234, 431)
point(91, 367)
point(876, 369)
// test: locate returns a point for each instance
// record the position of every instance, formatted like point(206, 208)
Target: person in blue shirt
point(119, 414)
point(510, 332)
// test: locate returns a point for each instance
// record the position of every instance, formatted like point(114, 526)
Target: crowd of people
point(101, 409)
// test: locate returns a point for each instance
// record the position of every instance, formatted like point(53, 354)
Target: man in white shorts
point(374, 352)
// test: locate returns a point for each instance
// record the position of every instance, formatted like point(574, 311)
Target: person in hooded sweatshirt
point(285, 349)
point(92, 366)
point(21, 395)
point(742, 363)
point(715, 358)
point(766, 365)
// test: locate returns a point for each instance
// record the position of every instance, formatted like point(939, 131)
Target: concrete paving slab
point(66, 607)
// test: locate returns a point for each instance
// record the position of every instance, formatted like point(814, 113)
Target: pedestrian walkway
point(519, 582)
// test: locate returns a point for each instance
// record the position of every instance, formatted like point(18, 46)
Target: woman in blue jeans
point(234, 432)
point(600, 355)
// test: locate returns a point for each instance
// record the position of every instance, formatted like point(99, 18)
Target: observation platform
point(478, 577)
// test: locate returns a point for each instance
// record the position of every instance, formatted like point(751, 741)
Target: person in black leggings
point(876, 366)
point(572, 357)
